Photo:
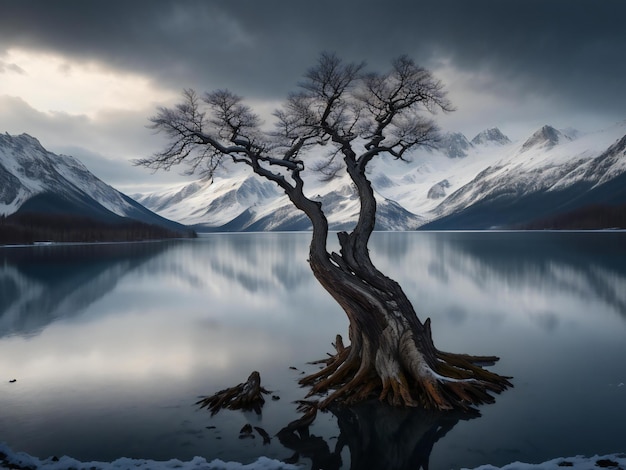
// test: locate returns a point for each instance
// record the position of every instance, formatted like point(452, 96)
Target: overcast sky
point(84, 76)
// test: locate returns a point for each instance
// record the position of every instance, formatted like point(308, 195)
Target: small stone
point(606, 463)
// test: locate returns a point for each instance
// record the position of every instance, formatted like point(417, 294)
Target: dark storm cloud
point(569, 50)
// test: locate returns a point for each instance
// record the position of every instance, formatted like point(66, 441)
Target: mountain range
point(38, 187)
point(482, 183)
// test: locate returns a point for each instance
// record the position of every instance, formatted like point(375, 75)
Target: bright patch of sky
point(53, 83)
point(95, 113)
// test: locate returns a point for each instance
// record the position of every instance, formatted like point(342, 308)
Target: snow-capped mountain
point(549, 173)
point(546, 138)
point(454, 145)
point(35, 180)
point(486, 182)
point(493, 136)
point(242, 201)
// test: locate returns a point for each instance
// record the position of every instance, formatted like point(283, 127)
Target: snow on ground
point(22, 461)
point(613, 461)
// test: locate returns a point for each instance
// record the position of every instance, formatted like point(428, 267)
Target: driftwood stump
point(245, 396)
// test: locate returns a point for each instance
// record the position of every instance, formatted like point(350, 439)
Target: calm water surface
point(111, 345)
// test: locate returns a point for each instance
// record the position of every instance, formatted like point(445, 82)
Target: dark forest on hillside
point(28, 228)
point(593, 217)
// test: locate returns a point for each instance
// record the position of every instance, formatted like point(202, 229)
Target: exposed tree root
point(405, 377)
point(245, 396)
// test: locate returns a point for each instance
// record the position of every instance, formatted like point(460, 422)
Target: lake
point(111, 345)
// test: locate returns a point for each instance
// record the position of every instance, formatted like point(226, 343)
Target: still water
point(111, 345)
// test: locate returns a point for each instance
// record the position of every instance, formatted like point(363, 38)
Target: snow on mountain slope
point(401, 191)
point(244, 201)
point(212, 202)
point(493, 136)
point(415, 180)
point(454, 145)
point(430, 186)
point(35, 170)
point(546, 137)
point(547, 161)
point(28, 173)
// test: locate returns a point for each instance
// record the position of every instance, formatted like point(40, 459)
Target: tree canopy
point(362, 114)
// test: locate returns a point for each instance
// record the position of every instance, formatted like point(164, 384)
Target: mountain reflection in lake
point(111, 345)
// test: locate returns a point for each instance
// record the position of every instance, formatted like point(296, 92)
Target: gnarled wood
point(391, 354)
point(245, 396)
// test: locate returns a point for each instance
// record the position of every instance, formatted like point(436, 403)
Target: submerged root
point(468, 367)
point(309, 413)
point(450, 381)
point(347, 373)
point(245, 396)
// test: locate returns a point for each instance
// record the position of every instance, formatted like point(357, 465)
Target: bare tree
point(359, 116)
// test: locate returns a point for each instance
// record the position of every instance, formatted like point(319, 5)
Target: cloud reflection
point(517, 272)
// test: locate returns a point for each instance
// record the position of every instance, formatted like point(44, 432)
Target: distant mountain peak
point(546, 137)
point(22, 139)
point(491, 136)
point(454, 145)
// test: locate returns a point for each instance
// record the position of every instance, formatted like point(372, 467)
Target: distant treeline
point(594, 217)
point(28, 228)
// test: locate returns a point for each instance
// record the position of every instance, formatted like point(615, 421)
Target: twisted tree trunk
point(391, 353)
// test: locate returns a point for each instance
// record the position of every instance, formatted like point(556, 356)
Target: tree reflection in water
point(377, 436)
